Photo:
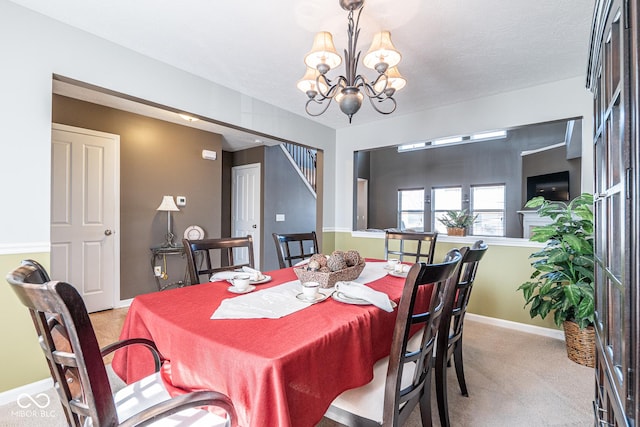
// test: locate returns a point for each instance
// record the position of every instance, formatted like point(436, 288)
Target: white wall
point(559, 100)
point(35, 47)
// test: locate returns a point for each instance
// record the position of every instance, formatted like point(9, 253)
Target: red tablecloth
point(278, 372)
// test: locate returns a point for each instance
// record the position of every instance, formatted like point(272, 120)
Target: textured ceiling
point(453, 50)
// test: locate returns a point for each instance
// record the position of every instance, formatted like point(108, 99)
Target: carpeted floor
point(514, 379)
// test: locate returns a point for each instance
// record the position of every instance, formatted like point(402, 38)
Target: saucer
point(402, 275)
point(264, 279)
point(236, 291)
point(319, 298)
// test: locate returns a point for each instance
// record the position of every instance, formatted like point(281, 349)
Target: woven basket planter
point(581, 344)
point(327, 280)
point(456, 231)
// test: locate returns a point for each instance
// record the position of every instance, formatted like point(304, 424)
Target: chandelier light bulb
point(323, 53)
point(308, 82)
point(382, 50)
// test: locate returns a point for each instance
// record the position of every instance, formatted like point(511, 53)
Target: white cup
point(398, 268)
point(310, 290)
point(241, 282)
point(392, 263)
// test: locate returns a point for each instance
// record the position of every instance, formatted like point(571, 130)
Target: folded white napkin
point(358, 290)
point(223, 275)
point(256, 275)
point(270, 303)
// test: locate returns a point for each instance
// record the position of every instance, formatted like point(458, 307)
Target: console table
point(160, 253)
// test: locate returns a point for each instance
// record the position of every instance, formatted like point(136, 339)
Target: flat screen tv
point(552, 186)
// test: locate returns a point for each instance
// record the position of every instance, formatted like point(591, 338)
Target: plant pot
point(581, 344)
point(456, 231)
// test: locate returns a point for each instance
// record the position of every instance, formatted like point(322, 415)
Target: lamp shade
point(382, 50)
point(168, 204)
point(394, 80)
point(323, 51)
point(308, 81)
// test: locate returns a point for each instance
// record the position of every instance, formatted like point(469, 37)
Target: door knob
point(108, 232)
point(254, 226)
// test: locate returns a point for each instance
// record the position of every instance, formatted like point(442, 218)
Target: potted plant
point(562, 281)
point(457, 221)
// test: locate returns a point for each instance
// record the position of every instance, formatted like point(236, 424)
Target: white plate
point(194, 232)
point(236, 291)
point(402, 275)
point(340, 297)
point(319, 298)
point(265, 279)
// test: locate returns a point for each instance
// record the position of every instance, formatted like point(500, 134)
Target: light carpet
point(514, 379)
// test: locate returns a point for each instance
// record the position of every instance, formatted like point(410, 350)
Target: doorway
point(245, 208)
point(85, 213)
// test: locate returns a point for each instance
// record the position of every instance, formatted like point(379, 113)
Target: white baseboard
point(530, 329)
point(124, 303)
point(11, 396)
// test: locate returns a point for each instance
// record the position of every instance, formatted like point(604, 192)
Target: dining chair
point(403, 379)
point(291, 247)
point(75, 362)
point(396, 242)
point(449, 341)
point(200, 254)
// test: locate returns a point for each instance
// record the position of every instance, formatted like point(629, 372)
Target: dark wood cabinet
point(613, 79)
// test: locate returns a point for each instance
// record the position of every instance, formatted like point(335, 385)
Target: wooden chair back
point(399, 401)
point(69, 344)
point(395, 243)
point(451, 326)
point(291, 247)
point(71, 349)
point(200, 256)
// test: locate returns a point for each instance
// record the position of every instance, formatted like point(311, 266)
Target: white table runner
point(280, 301)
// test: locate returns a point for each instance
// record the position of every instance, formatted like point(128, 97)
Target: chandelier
point(349, 89)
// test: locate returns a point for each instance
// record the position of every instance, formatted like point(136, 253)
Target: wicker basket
point(581, 344)
point(327, 280)
point(456, 231)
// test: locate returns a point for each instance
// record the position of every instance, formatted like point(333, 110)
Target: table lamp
point(168, 205)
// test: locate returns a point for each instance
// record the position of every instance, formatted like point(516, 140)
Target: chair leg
point(457, 357)
point(441, 387)
point(425, 403)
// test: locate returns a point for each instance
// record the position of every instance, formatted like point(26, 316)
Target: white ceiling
point(453, 50)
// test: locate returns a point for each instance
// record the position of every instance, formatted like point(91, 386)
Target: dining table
point(282, 371)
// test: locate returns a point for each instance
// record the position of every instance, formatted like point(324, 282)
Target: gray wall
point(285, 193)
point(156, 158)
point(550, 161)
point(489, 162)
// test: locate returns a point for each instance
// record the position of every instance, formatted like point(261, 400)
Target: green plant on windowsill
point(562, 281)
point(457, 221)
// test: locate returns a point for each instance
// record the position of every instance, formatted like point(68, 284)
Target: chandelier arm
point(333, 89)
point(388, 98)
point(319, 102)
point(371, 92)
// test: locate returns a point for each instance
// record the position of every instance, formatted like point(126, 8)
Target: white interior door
point(245, 208)
point(84, 213)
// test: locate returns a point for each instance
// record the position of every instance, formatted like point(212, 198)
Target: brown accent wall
point(156, 158)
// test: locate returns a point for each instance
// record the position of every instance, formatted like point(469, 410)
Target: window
point(411, 209)
point(487, 201)
point(444, 199)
